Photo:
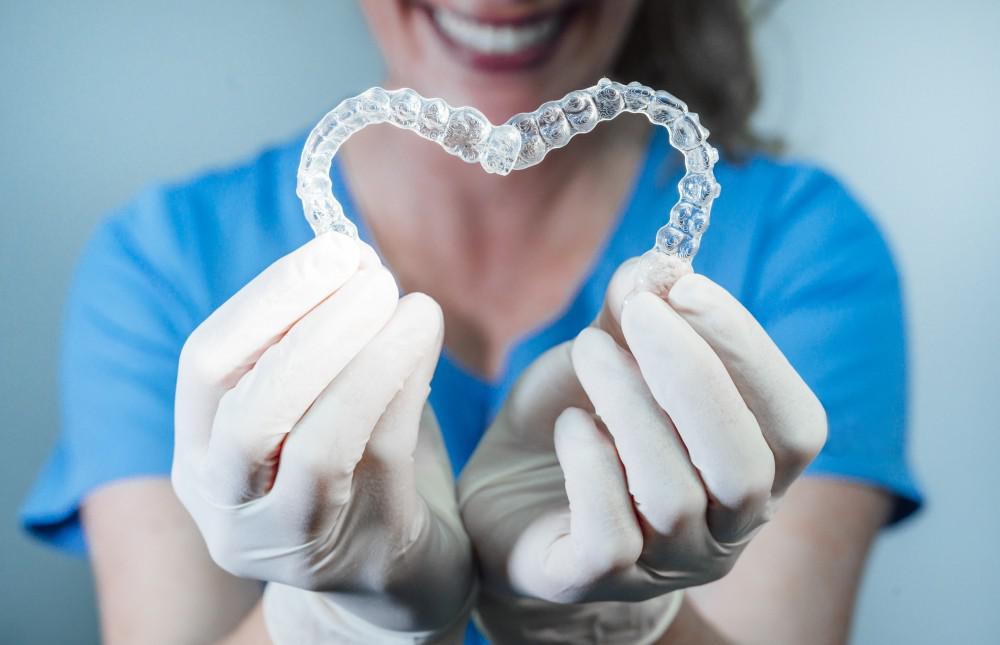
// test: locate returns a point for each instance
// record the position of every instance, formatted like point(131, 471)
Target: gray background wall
point(898, 97)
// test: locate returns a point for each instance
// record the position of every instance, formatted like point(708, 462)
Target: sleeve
point(829, 295)
point(121, 338)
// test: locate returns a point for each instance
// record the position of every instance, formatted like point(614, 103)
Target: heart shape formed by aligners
point(520, 143)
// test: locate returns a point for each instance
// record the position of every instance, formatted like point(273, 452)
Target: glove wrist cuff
point(302, 617)
point(510, 619)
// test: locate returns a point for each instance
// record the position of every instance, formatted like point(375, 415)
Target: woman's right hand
point(307, 456)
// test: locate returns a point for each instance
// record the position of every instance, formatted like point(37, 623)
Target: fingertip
point(570, 421)
point(384, 284)
point(371, 293)
point(427, 315)
point(334, 248)
point(591, 335)
point(234, 335)
point(428, 307)
point(576, 430)
point(589, 342)
point(605, 532)
point(321, 265)
point(369, 256)
point(621, 285)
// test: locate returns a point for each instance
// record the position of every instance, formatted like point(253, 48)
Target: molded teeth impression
point(520, 143)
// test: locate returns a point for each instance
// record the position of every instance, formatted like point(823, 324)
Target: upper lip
point(496, 20)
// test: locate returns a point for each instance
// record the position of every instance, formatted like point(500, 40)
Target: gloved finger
point(404, 477)
point(668, 494)
point(435, 484)
point(435, 481)
point(514, 474)
point(604, 535)
point(791, 417)
point(387, 464)
point(228, 343)
point(254, 417)
point(621, 285)
point(546, 388)
point(319, 456)
point(653, 271)
point(722, 437)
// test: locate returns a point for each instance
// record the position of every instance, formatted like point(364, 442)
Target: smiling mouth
point(502, 44)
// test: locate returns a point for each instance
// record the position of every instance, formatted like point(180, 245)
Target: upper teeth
point(493, 39)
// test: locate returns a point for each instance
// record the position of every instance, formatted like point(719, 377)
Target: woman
point(622, 491)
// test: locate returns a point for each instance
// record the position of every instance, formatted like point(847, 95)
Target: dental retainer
point(522, 142)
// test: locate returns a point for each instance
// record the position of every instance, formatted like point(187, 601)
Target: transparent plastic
point(521, 142)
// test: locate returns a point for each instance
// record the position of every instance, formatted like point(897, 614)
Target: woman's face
point(501, 56)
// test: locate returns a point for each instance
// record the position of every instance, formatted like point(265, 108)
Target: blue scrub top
point(786, 239)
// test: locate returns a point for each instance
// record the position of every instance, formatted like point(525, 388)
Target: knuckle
point(804, 447)
point(750, 496)
point(674, 515)
point(754, 493)
point(816, 429)
point(230, 432)
point(612, 556)
point(810, 434)
point(753, 489)
point(195, 358)
point(202, 361)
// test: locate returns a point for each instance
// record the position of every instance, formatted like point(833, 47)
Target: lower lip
point(526, 59)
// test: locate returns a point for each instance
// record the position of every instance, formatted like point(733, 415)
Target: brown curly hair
point(699, 50)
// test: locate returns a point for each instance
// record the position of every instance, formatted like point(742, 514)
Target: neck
point(411, 187)
point(500, 254)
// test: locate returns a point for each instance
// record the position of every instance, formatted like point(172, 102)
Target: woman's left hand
point(626, 470)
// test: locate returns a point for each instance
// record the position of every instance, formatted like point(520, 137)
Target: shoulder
point(783, 224)
point(196, 241)
point(781, 197)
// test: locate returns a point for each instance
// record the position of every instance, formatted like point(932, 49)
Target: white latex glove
point(306, 455)
point(626, 472)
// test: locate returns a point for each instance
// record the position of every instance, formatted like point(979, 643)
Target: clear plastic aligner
point(520, 143)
